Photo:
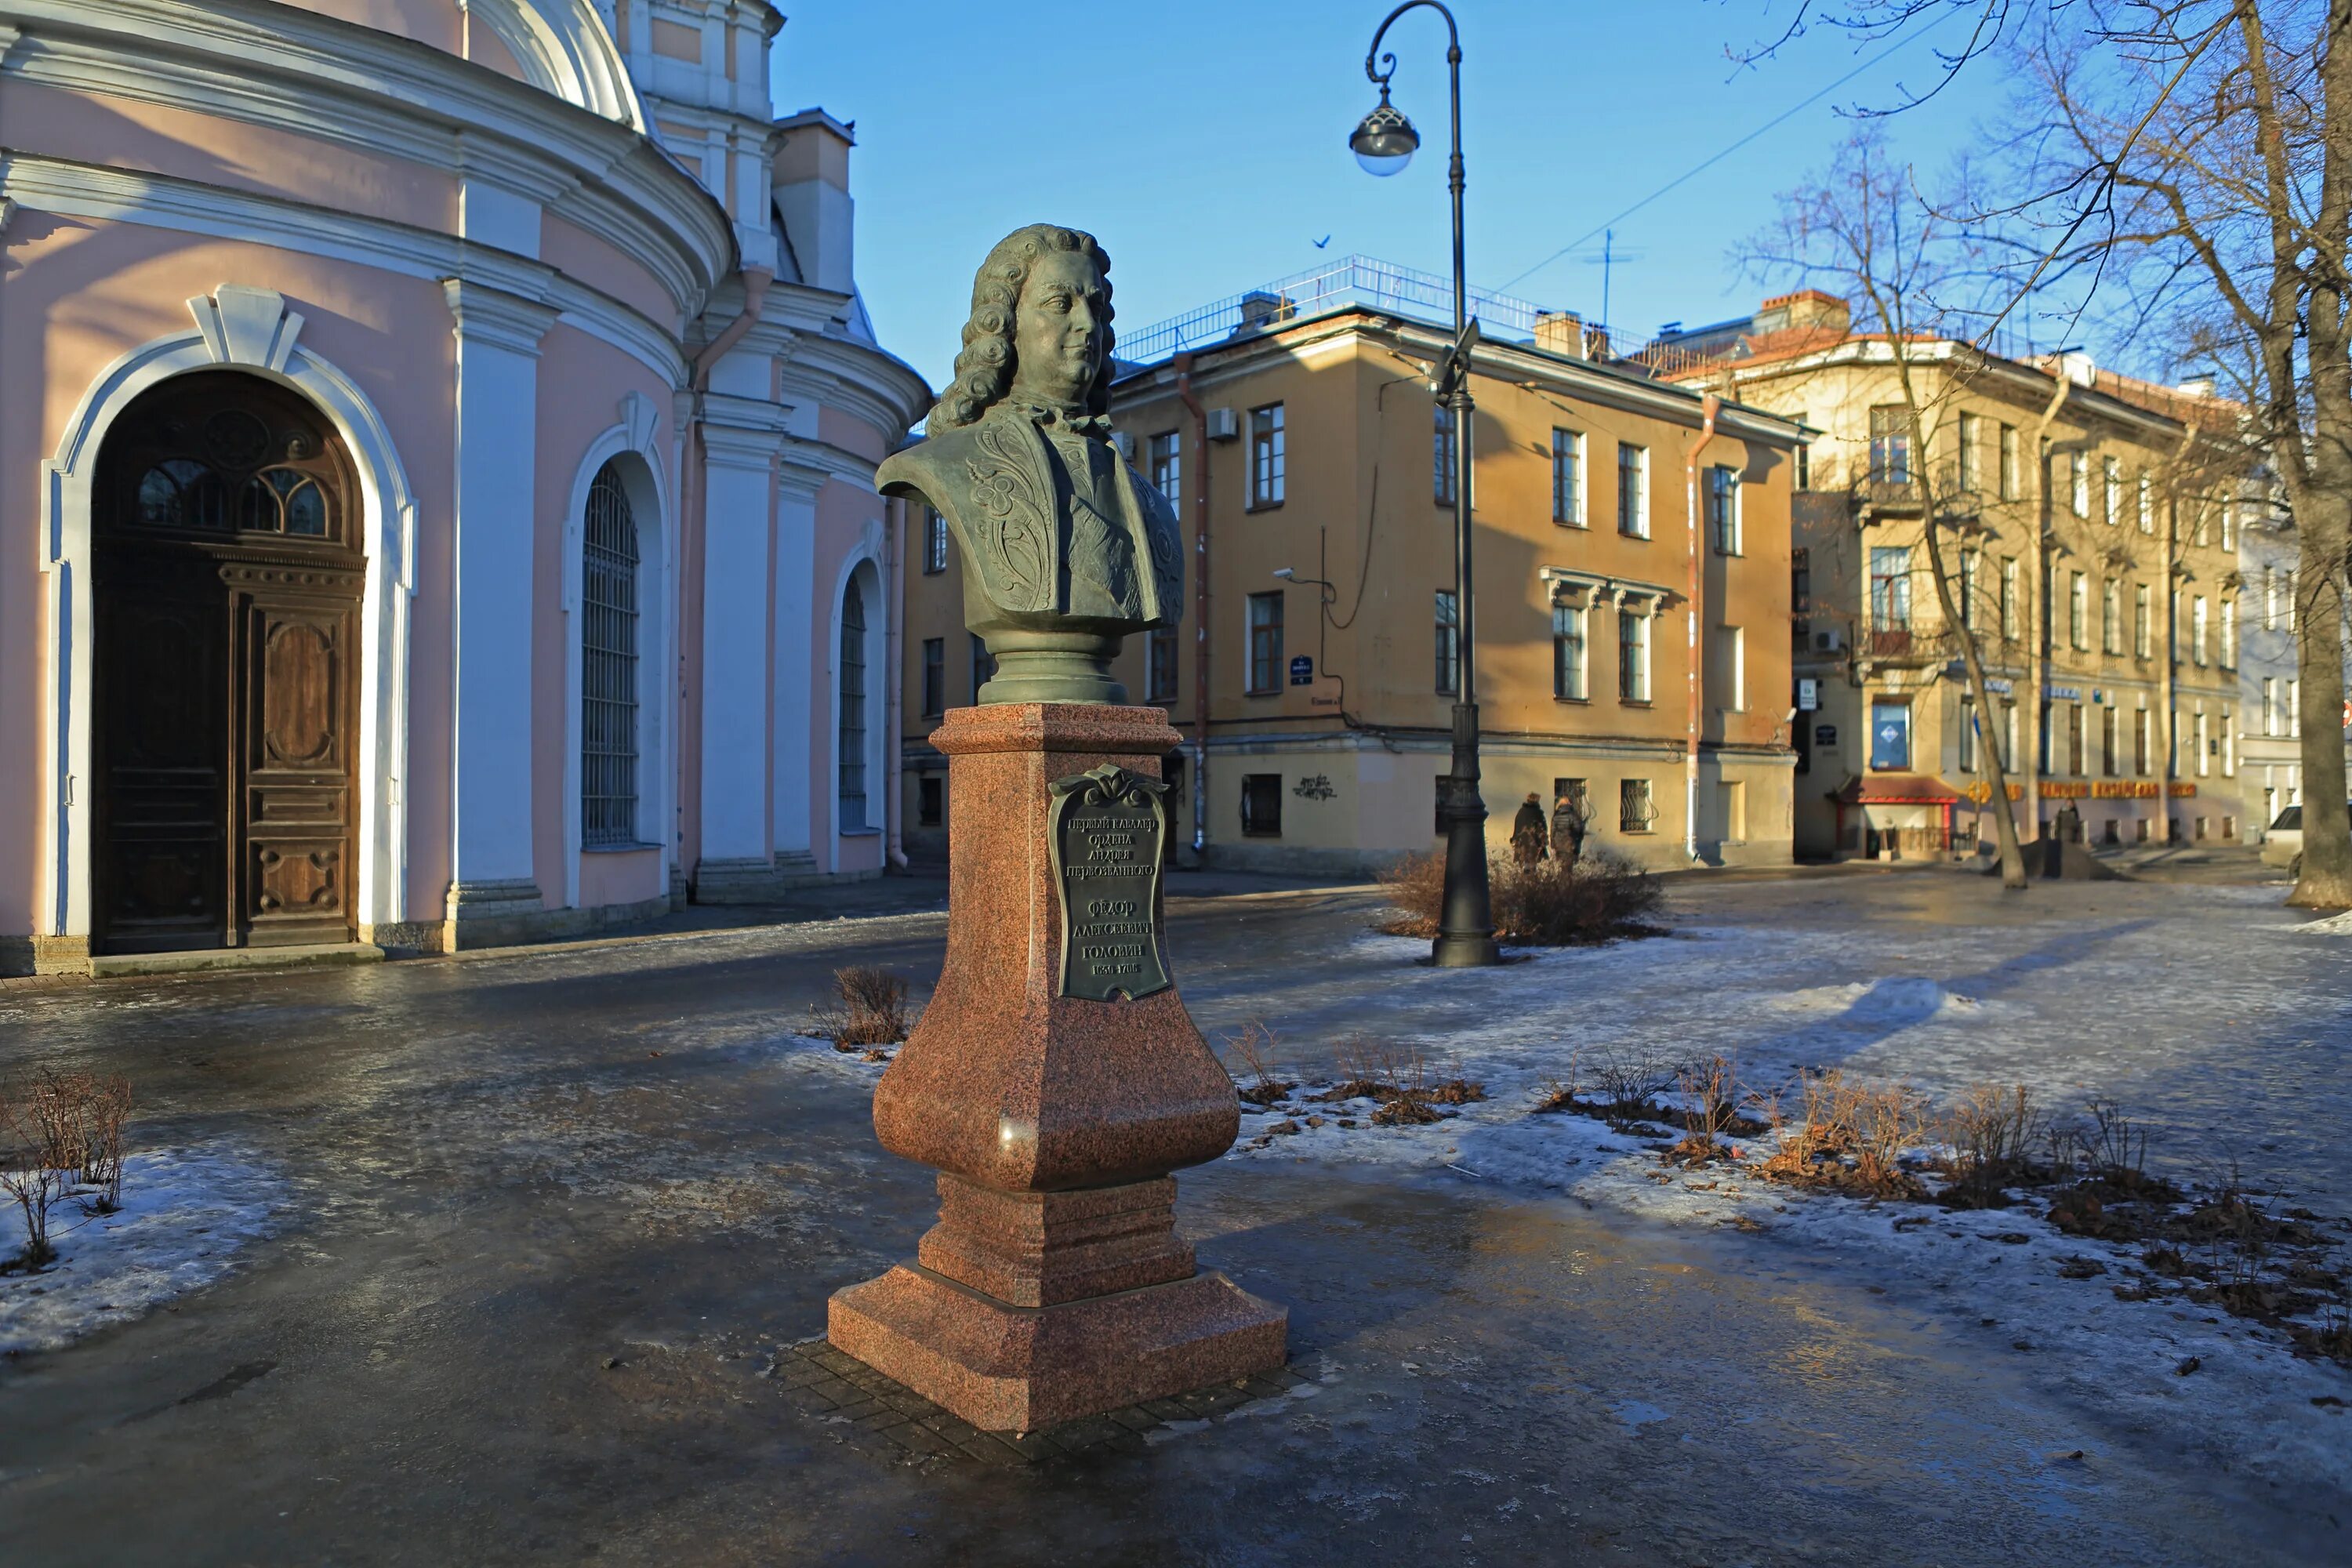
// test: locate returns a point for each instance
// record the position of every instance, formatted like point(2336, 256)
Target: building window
point(1266, 456)
point(2108, 761)
point(2009, 462)
point(1890, 445)
point(2042, 741)
point(2269, 598)
point(983, 667)
point(1890, 587)
point(1734, 643)
point(1441, 457)
point(2078, 483)
point(2008, 599)
point(1261, 805)
point(2111, 616)
point(2229, 542)
point(2141, 630)
point(2294, 709)
point(1167, 466)
point(2202, 740)
point(2139, 740)
point(935, 542)
point(1265, 643)
point(1448, 642)
point(931, 801)
point(2197, 629)
point(2270, 706)
point(1633, 490)
point(1635, 813)
point(1972, 437)
point(2112, 488)
point(935, 677)
point(1633, 657)
point(1159, 664)
point(852, 716)
point(1568, 653)
point(2078, 611)
point(1732, 794)
point(1970, 734)
point(2009, 734)
point(1890, 736)
point(2228, 634)
point(1723, 508)
point(2228, 747)
point(1568, 477)
point(608, 666)
point(2074, 759)
point(2147, 505)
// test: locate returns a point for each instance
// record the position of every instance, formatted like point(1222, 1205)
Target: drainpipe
point(1200, 604)
point(1710, 407)
point(894, 698)
point(691, 497)
point(2039, 647)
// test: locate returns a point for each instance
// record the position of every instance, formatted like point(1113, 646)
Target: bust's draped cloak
point(1039, 554)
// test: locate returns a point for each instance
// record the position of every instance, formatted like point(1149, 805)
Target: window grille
point(853, 708)
point(1635, 814)
point(608, 666)
point(935, 542)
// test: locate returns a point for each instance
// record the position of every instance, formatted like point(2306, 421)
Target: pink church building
point(437, 456)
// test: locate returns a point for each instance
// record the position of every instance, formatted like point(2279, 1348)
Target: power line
point(1790, 112)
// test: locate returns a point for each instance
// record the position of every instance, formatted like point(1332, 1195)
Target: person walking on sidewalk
point(1568, 828)
point(1527, 845)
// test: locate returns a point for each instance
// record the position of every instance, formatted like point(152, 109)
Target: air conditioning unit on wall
point(1830, 639)
point(1224, 425)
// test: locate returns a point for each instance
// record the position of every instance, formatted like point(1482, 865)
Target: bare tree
point(2186, 168)
point(1862, 231)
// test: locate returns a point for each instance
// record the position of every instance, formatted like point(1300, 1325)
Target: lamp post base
point(1464, 949)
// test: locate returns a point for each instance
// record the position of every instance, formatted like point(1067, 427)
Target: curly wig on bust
point(985, 366)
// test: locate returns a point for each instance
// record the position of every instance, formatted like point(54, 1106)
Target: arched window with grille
point(608, 666)
point(852, 738)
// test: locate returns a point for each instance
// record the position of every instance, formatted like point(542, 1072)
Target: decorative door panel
point(297, 739)
point(161, 865)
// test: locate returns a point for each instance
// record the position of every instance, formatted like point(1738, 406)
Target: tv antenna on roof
point(1606, 259)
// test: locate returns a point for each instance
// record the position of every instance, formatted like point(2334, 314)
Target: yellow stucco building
point(2091, 550)
point(1625, 526)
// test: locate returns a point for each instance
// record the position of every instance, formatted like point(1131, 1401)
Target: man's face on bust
point(1058, 330)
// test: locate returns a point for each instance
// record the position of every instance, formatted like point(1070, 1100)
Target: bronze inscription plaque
point(1108, 828)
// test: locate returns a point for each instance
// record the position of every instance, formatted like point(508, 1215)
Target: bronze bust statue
point(1065, 548)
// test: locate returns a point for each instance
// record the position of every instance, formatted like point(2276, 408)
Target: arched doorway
point(225, 730)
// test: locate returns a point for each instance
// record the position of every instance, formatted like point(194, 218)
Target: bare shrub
point(1849, 1136)
point(868, 1008)
point(1710, 1092)
point(1559, 1094)
point(1253, 1044)
point(1396, 1076)
point(2115, 1147)
point(1992, 1131)
point(1632, 1075)
point(1599, 898)
point(27, 1173)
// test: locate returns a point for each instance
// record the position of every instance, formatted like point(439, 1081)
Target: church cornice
point(302, 73)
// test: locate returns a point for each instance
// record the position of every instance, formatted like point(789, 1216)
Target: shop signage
point(1809, 695)
point(2066, 693)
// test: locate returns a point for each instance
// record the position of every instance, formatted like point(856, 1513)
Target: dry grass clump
point(866, 1010)
point(61, 1134)
point(1398, 1078)
point(1710, 1093)
point(1992, 1131)
point(1253, 1044)
point(1601, 898)
point(1849, 1135)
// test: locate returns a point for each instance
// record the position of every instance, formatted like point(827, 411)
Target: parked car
point(2283, 844)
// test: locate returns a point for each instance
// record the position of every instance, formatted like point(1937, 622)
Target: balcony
point(1890, 642)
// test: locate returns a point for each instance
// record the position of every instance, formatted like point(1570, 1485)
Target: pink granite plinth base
point(1018, 1369)
point(1055, 1284)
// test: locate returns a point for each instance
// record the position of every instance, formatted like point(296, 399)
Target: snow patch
point(186, 1216)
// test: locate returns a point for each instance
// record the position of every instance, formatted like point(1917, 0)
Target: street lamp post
point(1383, 144)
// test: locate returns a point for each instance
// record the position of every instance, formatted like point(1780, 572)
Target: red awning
point(1898, 789)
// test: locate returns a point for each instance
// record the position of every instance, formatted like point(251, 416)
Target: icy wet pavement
point(503, 1173)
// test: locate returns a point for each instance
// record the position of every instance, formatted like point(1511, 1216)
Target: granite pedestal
point(1055, 1285)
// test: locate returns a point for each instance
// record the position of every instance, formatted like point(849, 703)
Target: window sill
point(1636, 832)
point(1567, 522)
point(1627, 533)
point(1733, 555)
point(1247, 834)
point(1577, 701)
point(1266, 691)
point(859, 832)
point(1262, 506)
point(616, 848)
point(1635, 702)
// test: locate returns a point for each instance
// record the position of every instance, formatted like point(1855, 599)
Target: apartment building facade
point(2090, 539)
point(1624, 527)
point(2270, 733)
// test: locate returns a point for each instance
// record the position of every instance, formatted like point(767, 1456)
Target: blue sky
point(1206, 143)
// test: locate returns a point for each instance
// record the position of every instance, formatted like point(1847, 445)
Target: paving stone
point(921, 1440)
point(883, 1420)
point(857, 1410)
point(989, 1449)
point(1135, 1418)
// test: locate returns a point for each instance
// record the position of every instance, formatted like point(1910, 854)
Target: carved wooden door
point(225, 723)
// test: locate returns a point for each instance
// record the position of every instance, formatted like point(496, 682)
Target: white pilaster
point(796, 675)
point(740, 439)
point(498, 335)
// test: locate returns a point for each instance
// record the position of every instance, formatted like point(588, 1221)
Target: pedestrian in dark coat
point(1527, 845)
point(1568, 827)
